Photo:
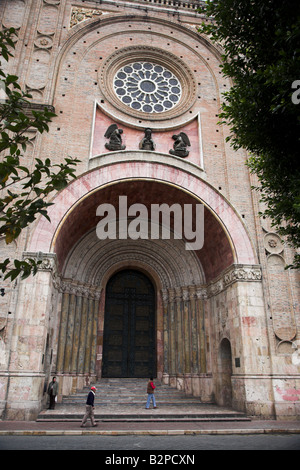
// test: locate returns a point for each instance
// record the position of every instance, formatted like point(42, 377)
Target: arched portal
point(63, 231)
point(129, 346)
point(189, 284)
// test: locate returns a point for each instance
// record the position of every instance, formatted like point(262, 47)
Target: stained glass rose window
point(147, 87)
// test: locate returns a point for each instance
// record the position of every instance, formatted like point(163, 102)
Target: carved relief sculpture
point(115, 139)
point(82, 14)
point(180, 145)
point(147, 142)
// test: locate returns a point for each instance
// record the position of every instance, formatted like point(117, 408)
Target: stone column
point(100, 327)
point(172, 351)
point(186, 331)
point(77, 344)
point(82, 340)
point(62, 332)
point(76, 337)
point(179, 332)
point(29, 339)
point(201, 330)
point(166, 335)
point(94, 334)
point(89, 328)
point(70, 332)
point(194, 332)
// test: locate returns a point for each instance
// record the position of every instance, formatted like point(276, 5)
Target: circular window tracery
point(180, 87)
point(147, 87)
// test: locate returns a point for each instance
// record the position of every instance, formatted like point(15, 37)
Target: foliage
point(261, 44)
point(24, 191)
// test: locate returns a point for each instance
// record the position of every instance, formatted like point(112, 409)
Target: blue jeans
point(150, 397)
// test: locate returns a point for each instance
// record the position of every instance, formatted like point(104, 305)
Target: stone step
point(116, 390)
point(124, 400)
point(138, 418)
point(139, 414)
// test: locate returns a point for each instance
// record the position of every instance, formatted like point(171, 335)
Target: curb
point(147, 433)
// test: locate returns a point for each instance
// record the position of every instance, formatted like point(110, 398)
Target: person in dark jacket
point(52, 392)
point(89, 408)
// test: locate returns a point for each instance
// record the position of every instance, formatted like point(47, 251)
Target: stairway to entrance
point(120, 400)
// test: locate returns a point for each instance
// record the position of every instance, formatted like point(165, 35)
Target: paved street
point(181, 444)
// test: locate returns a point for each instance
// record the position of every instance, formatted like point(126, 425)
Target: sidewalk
point(104, 428)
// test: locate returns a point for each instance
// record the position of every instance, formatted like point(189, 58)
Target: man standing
point(89, 413)
point(150, 390)
point(52, 392)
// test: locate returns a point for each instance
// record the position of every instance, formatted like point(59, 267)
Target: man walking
point(89, 408)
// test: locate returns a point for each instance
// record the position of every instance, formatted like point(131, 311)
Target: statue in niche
point(147, 142)
point(180, 145)
point(113, 133)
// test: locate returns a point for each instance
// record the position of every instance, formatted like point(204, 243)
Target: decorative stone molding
point(192, 292)
point(187, 293)
point(234, 274)
point(82, 290)
point(81, 14)
point(244, 273)
point(44, 40)
point(186, 6)
point(281, 304)
point(48, 260)
point(273, 243)
point(178, 294)
point(168, 60)
point(70, 286)
point(139, 258)
point(165, 296)
point(201, 293)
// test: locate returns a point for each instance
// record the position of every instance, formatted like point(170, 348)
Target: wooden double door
point(129, 348)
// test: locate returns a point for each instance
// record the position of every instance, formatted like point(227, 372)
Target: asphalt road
point(177, 445)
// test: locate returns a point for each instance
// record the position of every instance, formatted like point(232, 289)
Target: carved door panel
point(129, 326)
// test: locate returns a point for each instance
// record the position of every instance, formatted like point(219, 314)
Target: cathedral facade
point(155, 261)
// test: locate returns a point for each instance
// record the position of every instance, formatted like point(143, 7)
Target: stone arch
point(92, 260)
point(181, 276)
point(61, 233)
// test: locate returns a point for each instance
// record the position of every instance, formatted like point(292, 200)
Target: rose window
point(147, 87)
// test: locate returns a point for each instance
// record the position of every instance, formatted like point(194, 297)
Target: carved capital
point(236, 273)
point(82, 290)
point(48, 260)
point(165, 296)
